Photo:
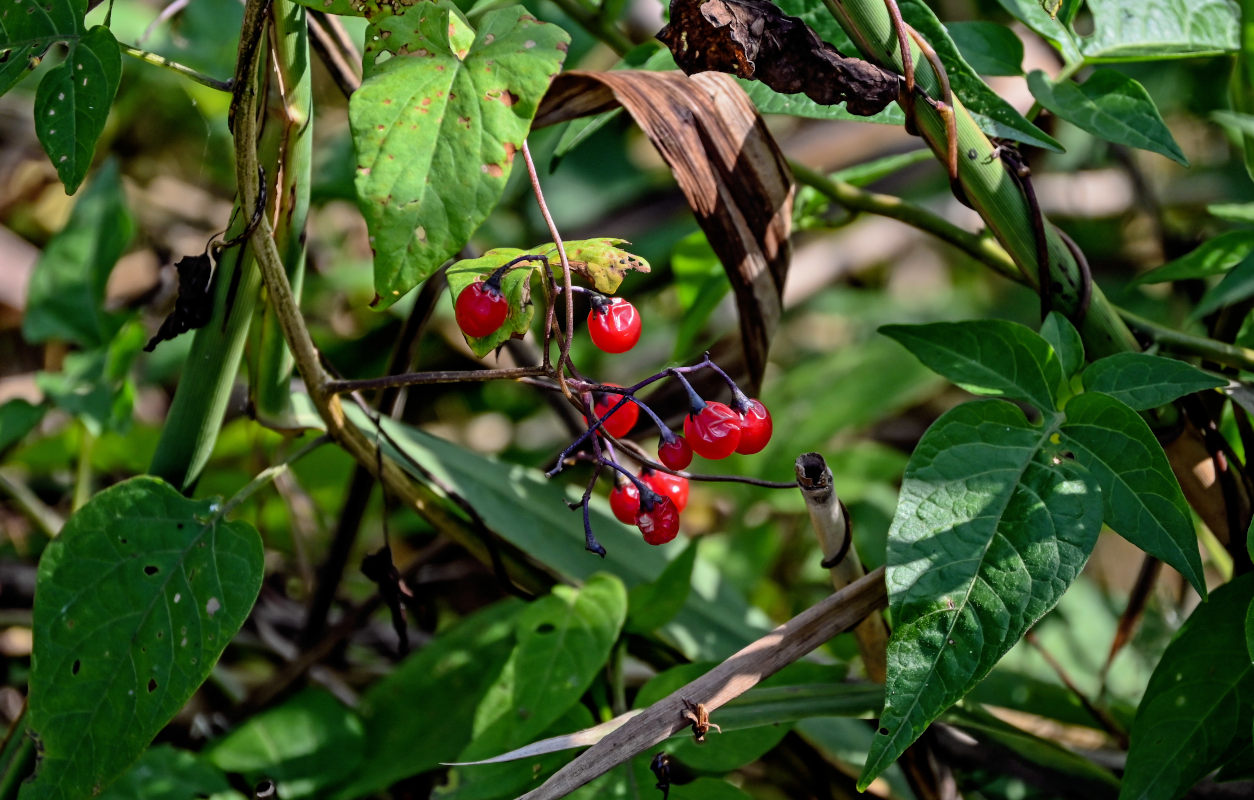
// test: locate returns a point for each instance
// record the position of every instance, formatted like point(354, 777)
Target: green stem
point(1229, 355)
point(46, 519)
point(181, 69)
point(267, 475)
point(17, 757)
point(82, 473)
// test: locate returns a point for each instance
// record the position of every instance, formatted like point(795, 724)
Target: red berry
point(659, 523)
point(714, 431)
point(621, 422)
point(755, 428)
point(481, 309)
point(673, 486)
point(614, 325)
point(625, 503)
point(675, 454)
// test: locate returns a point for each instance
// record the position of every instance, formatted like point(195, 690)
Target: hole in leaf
point(152, 685)
point(122, 540)
point(160, 634)
point(151, 570)
point(884, 731)
point(74, 669)
point(180, 526)
point(545, 628)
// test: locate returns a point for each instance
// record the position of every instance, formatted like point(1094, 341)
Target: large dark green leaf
point(652, 605)
point(72, 103)
point(1211, 257)
point(1142, 381)
point(989, 357)
point(436, 124)
point(28, 28)
point(989, 48)
point(1199, 705)
point(700, 285)
point(166, 773)
point(1111, 106)
point(992, 526)
point(67, 290)
point(1143, 501)
point(1053, 29)
point(134, 603)
point(303, 745)
point(1133, 30)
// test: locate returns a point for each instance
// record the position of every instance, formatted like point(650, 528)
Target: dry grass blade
point(739, 673)
point(725, 162)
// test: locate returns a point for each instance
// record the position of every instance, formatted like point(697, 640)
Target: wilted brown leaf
point(725, 162)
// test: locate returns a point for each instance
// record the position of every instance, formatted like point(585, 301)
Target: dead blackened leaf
point(194, 305)
point(725, 162)
point(754, 39)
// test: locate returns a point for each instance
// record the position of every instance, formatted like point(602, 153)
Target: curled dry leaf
point(754, 39)
point(725, 162)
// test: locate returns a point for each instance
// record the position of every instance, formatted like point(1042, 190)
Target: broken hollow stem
point(831, 524)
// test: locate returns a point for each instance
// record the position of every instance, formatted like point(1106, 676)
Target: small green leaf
point(134, 603)
point(94, 385)
point(515, 286)
point(1232, 212)
point(67, 290)
point(989, 48)
point(1236, 286)
point(1054, 30)
point(304, 745)
point(18, 418)
point(72, 103)
point(1135, 30)
point(1066, 341)
point(1111, 106)
point(1211, 257)
point(1142, 381)
point(1199, 704)
point(1142, 499)
point(652, 605)
point(989, 357)
point(993, 114)
point(28, 28)
point(991, 527)
point(436, 128)
point(166, 773)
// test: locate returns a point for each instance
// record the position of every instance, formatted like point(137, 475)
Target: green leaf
point(989, 48)
point(1066, 341)
point(1236, 286)
point(991, 527)
point(423, 711)
point(1142, 381)
point(600, 262)
point(94, 385)
point(436, 124)
point(304, 745)
point(18, 418)
point(1111, 106)
point(989, 357)
point(564, 641)
point(1142, 499)
point(1135, 30)
point(1211, 257)
point(645, 56)
point(994, 115)
point(72, 103)
point(134, 603)
point(1232, 212)
point(1199, 704)
point(700, 285)
point(1053, 30)
point(28, 28)
point(166, 773)
point(652, 605)
point(67, 290)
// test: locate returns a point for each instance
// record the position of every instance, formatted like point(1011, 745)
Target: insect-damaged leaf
point(436, 124)
point(194, 305)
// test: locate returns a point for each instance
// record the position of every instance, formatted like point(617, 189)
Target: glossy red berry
point(660, 522)
point(625, 503)
point(614, 325)
point(675, 454)
point(714, 431)
point(673, 486)
point(481, 309)
point(621, 421)
point(755, 428)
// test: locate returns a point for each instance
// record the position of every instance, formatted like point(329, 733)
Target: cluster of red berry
point(652, 499)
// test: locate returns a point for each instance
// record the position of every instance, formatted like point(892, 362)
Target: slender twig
point(441, 376)
point(267, 475)
point(44, 517)
point(182, 69)
point(167, 12)
point(1108, 723)
point(565, 339)
point(1228, 355)
point(329, 50)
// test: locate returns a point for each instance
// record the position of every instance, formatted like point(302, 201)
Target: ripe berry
point(621, 421)
point(481, 309)
point(714, 431)
point(660, 521)
point(614, 325)
point(625, 502)
point(675, 454)
point(755, 427)
point(673, 486)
